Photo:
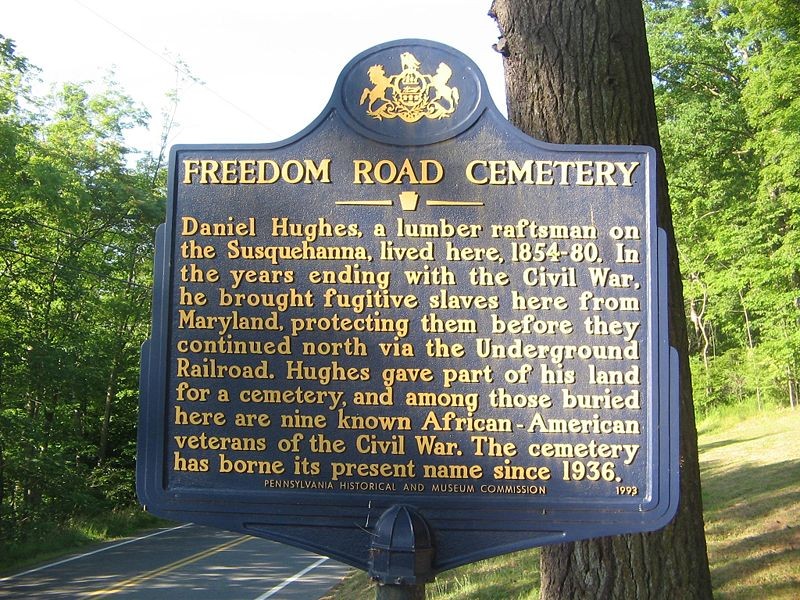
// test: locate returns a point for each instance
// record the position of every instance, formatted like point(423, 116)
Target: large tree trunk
point(578, 71)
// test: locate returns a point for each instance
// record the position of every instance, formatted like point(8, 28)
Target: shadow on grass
point(726, 484)
point(745, 562)
point(752, 514)
point(730, 442)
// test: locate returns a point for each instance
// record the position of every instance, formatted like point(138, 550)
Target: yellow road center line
point(141, 578)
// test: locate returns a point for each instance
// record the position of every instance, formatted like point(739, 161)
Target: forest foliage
point(727, 83)
point(78, 215)
point(76, 253)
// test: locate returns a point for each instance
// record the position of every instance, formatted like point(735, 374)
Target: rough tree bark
point(578, 71)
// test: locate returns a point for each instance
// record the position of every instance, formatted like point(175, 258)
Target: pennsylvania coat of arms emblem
point(410, 95)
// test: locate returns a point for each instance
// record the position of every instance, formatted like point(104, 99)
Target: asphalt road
point(185, 562)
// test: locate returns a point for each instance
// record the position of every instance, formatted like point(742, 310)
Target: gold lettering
point(251, 171)
point(549, 172)
point(425, 172)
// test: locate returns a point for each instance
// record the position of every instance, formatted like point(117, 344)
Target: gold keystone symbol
point(409, 200)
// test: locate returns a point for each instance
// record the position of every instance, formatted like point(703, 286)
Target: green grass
point(721, 418)
point(56, 539)
point(750, 465)
point(510, 577)
point(751, 498)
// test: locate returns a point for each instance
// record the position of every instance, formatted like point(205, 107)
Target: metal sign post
point(401, 555)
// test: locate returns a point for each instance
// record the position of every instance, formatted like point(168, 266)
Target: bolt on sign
point(411, 302)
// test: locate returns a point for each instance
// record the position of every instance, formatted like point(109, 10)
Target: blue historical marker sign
point(411, 302)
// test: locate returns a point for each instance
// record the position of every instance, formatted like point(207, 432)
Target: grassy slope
point(751, 493)
point(751, 497)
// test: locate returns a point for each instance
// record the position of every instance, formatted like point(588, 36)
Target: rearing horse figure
point(378, 77)
point(449, 94)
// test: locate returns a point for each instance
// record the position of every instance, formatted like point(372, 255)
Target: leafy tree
point(727, 88)
point(77, 251)
point(768, 36)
